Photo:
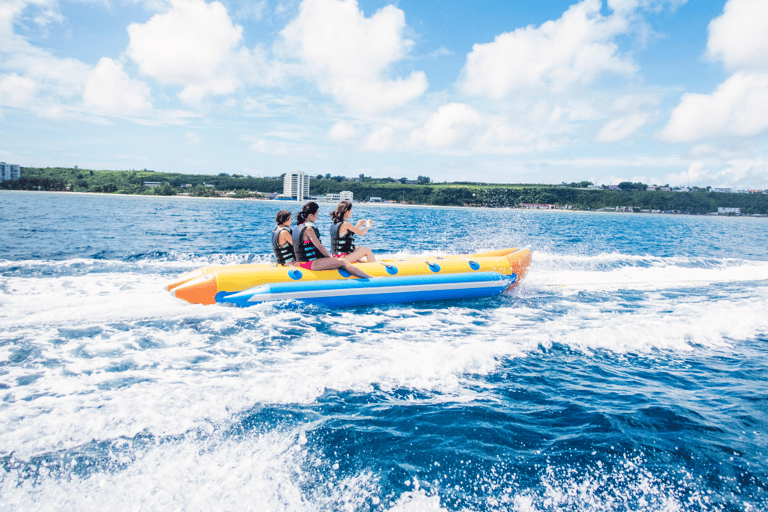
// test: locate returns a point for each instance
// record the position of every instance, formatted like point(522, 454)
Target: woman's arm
point(310, 233)
point(358, 230)
point(285, 237)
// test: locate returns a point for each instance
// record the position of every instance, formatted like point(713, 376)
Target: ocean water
point(627, 372)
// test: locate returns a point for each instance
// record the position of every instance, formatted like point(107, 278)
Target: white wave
point(617, 259)
point(261, 472)
point(173, 260)
point(633, 277)
point(110, 355)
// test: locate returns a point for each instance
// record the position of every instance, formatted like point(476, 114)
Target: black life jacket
point(283, 254)
point(344, 244)
point(305, 251)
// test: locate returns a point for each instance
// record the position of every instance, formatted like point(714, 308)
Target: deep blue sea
point(629, 371)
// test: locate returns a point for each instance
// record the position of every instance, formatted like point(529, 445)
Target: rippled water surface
point(627, 372)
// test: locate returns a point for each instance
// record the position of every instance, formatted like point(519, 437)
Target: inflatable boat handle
point(391, 269)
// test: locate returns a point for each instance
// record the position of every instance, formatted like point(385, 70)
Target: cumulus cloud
point(696, 174)
point(745, 172)
point(269, 147)
point(451, 126)
point(187, 46)
point(348, 55)
point(460, 128)
point(739, 37)
point(621, 128)
point(629, 6)
point(109, 90)
point(195, 45)
point(576, 48)
point(737, 172)
point(16, 91)
point(55, 87)
point(738, 107)
point(380, 139)
point(342, 130)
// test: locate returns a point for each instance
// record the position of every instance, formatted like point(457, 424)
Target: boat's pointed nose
point(201, 290)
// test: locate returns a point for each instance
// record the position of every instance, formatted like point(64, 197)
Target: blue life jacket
point(344, 244)
point(283, 254)
point(305, 251)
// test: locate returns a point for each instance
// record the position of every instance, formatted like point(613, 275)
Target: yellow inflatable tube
point(206, 284)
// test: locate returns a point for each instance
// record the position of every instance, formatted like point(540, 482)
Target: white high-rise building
point(296, 184)
point(9, 171)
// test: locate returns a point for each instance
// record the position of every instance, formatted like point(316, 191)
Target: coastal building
point(9, 171)
point(152, 184)
point(345, 195)
point(532, 206)
point(296, 185)
point(725, 211)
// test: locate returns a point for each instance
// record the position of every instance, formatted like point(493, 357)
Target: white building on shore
point(345, 195)
point(296, 184)
point(9, 171)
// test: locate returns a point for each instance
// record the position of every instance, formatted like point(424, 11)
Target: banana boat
point(411, 279)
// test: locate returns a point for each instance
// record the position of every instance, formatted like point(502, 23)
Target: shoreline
point(378, 205)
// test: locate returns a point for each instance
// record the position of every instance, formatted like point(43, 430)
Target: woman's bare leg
point(360, 253)
point(334, 263)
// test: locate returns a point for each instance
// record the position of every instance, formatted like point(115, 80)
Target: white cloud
point(268, 147)
point(746, 173)
point(451, 126)
point(16, 91)
point(195, 45)
point(342, 130)
point(185, 45)
point(251, 10)
point(743, 173)
point(630, 6)
point(629, 102)
point(621, 128)
point(578, 47)
point(738, 107)
point(739, 36)
point(380, 139)
point(193, 138)
point(440, 52)
point(348, 55)
point(696, 174)
point(109, 90)
point(57, 88)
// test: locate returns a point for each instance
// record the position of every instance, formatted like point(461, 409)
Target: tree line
point(631, 195)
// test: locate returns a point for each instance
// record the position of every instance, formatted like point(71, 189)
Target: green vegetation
point(632, 196)
point(132, 182)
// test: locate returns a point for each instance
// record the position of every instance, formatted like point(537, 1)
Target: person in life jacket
point(282, 239)
point(309, 251)
point(343, 235)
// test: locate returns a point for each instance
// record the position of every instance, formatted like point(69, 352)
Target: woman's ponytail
point(309, 209)
point(338, 214)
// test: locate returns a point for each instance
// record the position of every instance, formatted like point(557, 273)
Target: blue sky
point(658, 91)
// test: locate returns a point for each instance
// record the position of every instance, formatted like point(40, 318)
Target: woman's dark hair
point(309, 209)
point(282, 216)
point(338, 214)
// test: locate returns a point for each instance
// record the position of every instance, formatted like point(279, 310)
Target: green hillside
point(634, 197)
